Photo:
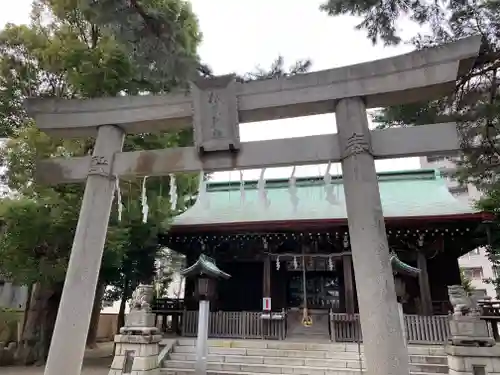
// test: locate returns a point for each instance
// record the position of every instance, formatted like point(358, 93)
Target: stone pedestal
point(469, 331)
point(136, 354)
point(137, 346)
point(473, 360)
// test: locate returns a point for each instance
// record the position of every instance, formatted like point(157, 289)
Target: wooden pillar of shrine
point(348, 283)
point(266, 278)
point(423, 281)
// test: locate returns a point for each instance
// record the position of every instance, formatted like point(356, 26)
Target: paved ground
point(97, 362)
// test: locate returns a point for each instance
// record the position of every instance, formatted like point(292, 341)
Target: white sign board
point(266, 303)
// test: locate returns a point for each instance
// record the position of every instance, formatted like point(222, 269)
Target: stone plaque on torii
point(217, 106)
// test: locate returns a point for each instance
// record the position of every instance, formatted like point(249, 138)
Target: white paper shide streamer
point(144, 201)
point(242, 189)
point(292, 190)
point(202, 191)
point(173, 192)
point(329, 188)
point(261, 188)
point(119, 204)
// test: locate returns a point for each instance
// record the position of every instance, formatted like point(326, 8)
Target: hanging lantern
point(421, 240)
point(295, 263)
point(330, 263)
point(278, 265)
point(144, 201)
point(346, 241)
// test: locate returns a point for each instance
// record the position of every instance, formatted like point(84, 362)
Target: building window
point(473, 273)
point(432, 159)
point(459, 190)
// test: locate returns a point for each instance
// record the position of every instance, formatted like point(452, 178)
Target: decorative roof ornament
point(144, 201)
point(399, 266)
point(204, 266)
point(173, 192)
point(292, 190)
point(119, 204)
point(261, 187)
point(242, 189)
point(329, 188)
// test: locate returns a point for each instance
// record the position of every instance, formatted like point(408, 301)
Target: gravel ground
point(96, 362)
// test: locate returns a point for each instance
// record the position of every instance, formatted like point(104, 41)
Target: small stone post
point(137, 345)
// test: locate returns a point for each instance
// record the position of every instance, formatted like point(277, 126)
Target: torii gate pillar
point(73, 317)
point(380, 321)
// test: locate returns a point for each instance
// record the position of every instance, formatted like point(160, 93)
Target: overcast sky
point(238, 36)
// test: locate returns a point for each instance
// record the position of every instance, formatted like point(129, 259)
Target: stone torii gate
point(215, 108)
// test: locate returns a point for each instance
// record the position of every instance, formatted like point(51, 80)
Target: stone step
point(287, 362)
point(433, 350)
point(299, 370)
point(181, 371)
point(321, 350)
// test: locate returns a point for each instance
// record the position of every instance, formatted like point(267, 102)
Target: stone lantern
point(400, 268)
point(206, 274)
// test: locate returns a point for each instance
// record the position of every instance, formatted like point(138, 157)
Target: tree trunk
point(96, 314)
point(40, 320)
point(123, 303)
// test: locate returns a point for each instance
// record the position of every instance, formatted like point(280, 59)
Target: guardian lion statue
point(142, 298)
point(460, 300)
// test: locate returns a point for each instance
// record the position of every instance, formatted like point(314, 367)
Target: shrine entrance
point(321, 287)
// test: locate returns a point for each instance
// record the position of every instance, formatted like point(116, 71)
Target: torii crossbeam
point(216, 107)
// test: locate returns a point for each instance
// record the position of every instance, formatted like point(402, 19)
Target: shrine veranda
point(263, 241)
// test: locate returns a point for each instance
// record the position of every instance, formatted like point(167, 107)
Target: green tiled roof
point(408, 194)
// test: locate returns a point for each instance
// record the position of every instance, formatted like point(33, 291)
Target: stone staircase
point(248, 357)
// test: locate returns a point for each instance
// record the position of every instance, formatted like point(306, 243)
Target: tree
point(474, 104)
point(466, 282)
point(69, 56)
point(75, 54)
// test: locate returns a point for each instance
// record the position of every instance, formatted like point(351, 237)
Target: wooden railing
point(235, 324)
point(419, 329)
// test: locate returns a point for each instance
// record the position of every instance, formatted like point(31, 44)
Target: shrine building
point(286, 243)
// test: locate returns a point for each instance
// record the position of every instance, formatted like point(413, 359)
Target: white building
point(476, 265)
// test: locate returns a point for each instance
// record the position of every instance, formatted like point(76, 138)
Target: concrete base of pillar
point(473, 360)
point(136, 355)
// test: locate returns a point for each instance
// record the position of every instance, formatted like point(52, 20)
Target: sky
point(239, 36)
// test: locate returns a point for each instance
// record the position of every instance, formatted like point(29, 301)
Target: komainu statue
point(460, 300)
point(142, 298)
